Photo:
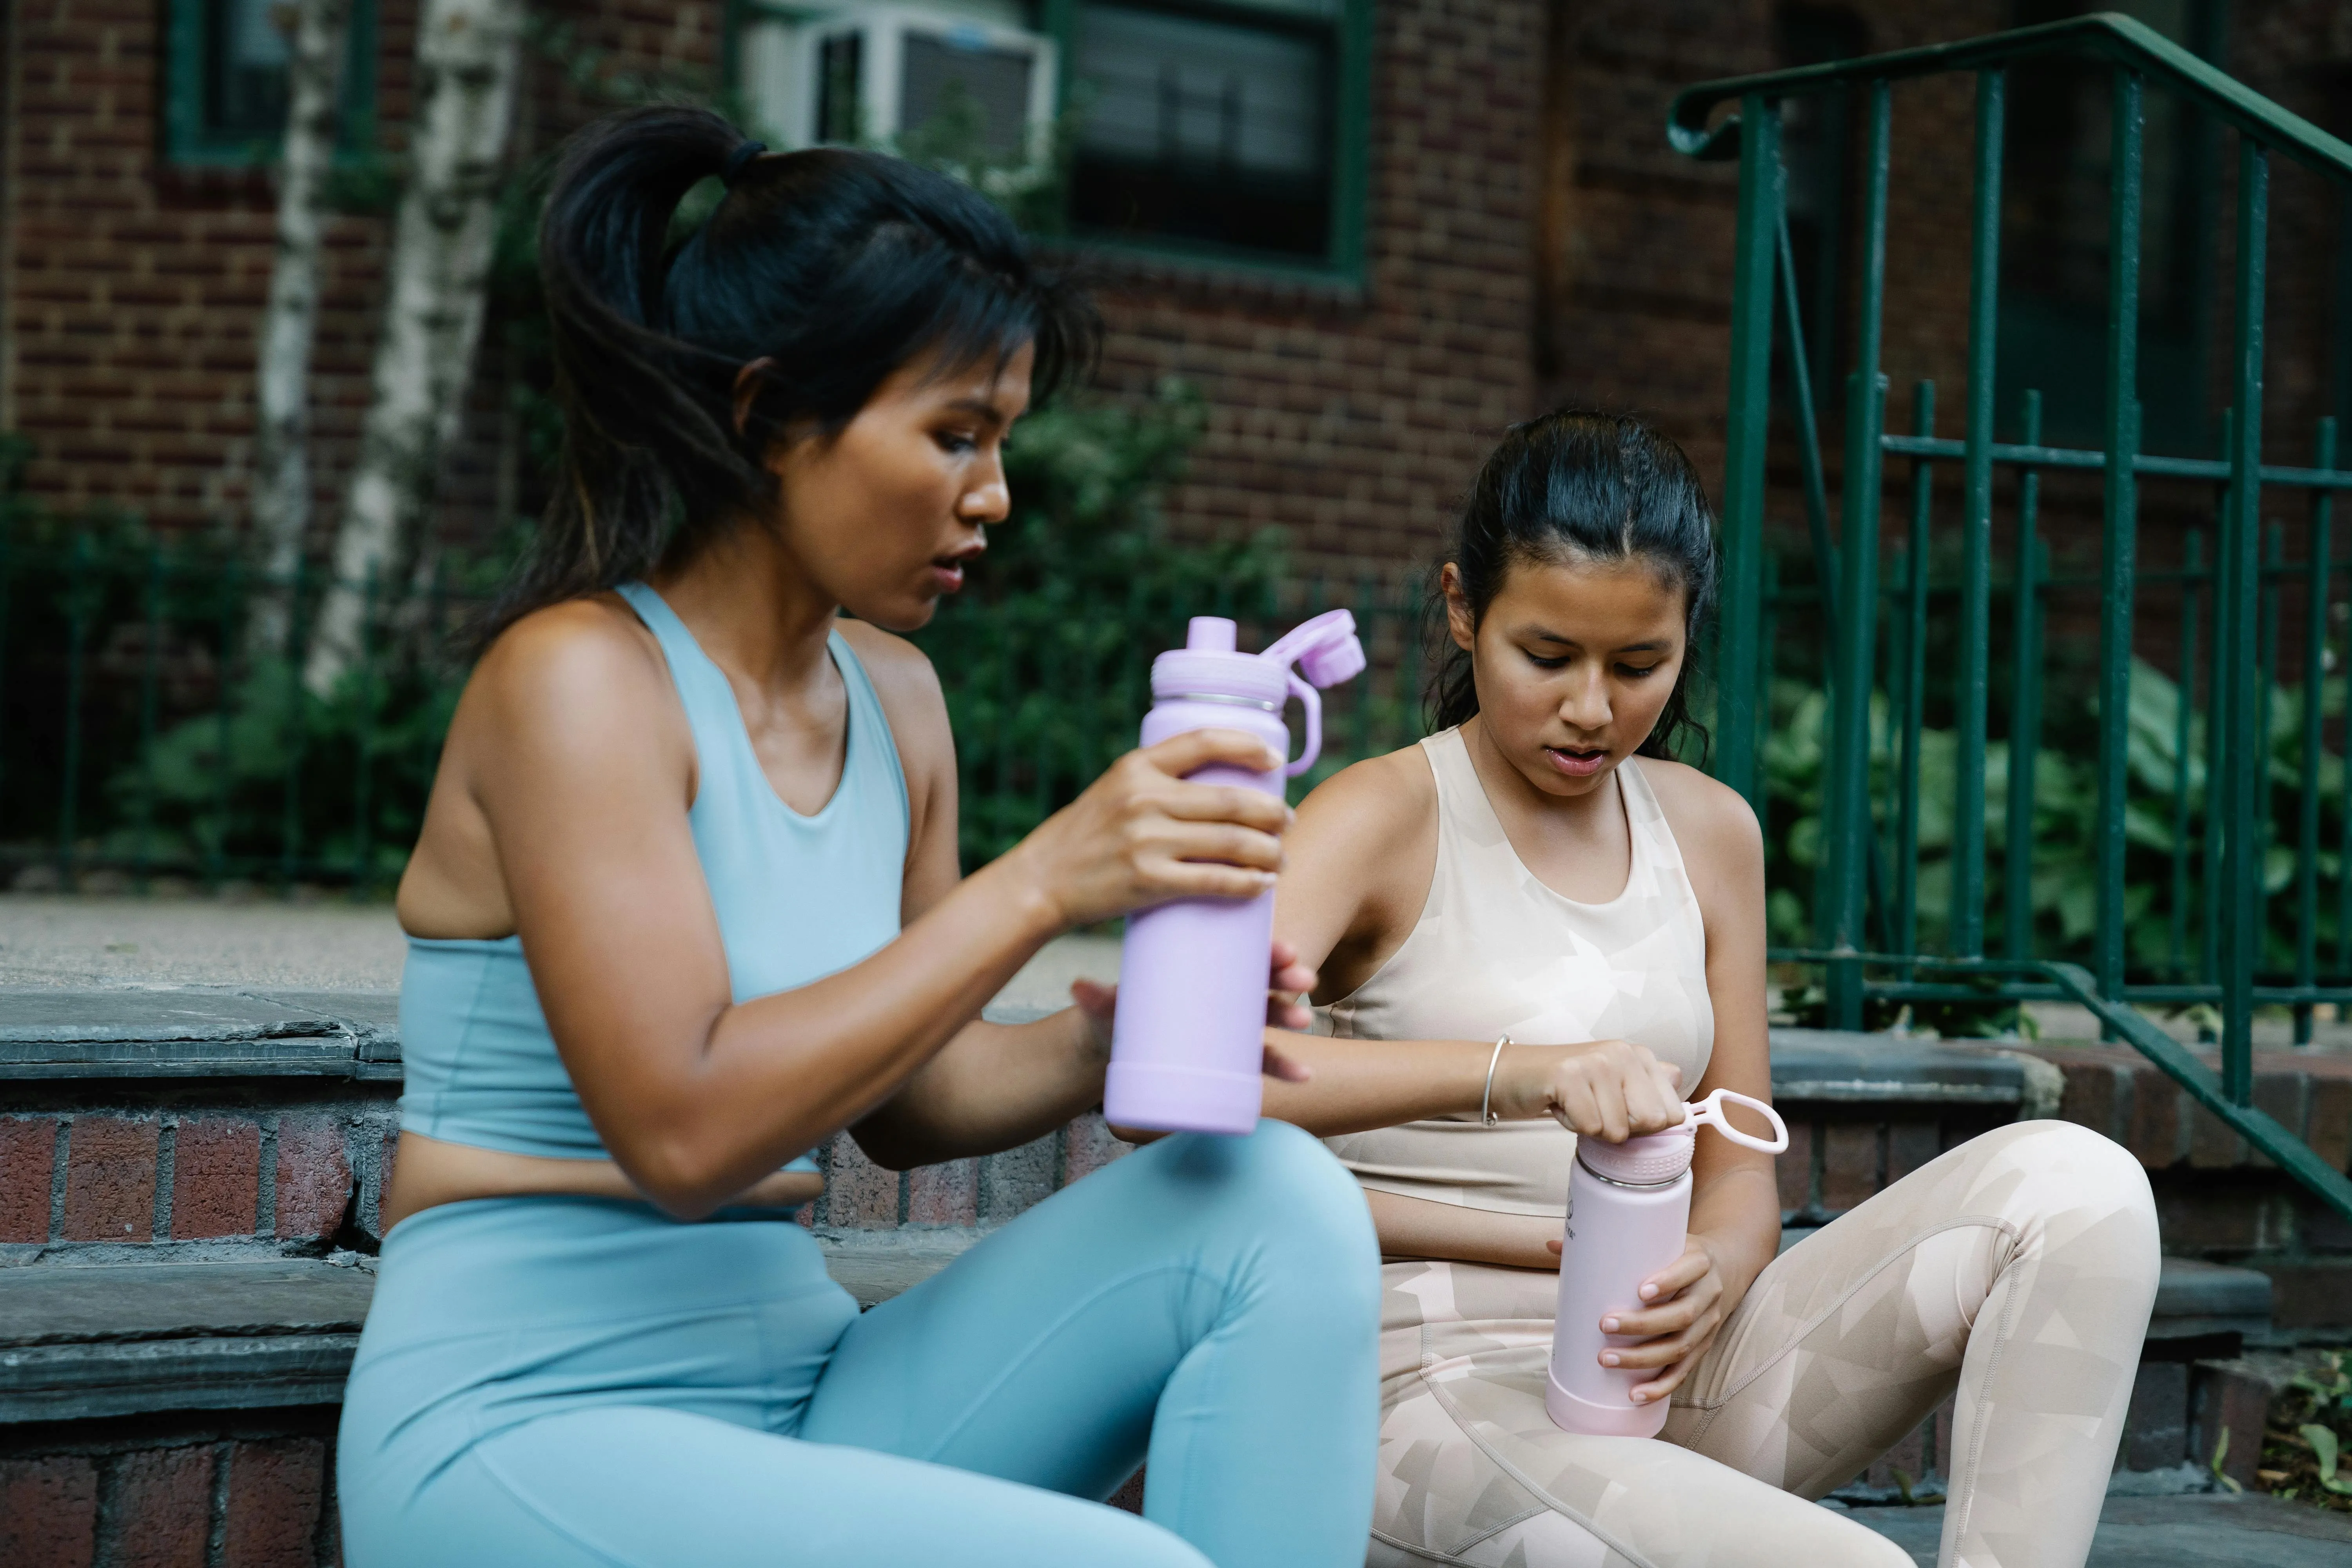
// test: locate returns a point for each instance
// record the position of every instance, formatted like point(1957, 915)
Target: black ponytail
point(1579, 485)
point(838, 266)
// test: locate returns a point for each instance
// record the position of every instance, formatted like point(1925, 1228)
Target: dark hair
point(1580, 484)
point(838, 266)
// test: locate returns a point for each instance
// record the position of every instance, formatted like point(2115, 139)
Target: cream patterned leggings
point(2020, 1267)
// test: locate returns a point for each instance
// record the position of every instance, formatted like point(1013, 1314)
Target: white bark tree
point(467, 52)
point(281, 457)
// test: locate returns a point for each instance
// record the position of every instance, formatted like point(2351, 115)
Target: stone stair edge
point(232, 1031)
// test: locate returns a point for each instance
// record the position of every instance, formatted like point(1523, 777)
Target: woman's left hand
point(1691, 1304)
point(1289, 984)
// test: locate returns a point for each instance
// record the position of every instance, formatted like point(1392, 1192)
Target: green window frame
point(190, 137)
point(1348, 30)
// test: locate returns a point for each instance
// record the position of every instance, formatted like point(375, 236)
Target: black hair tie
point(745, 150)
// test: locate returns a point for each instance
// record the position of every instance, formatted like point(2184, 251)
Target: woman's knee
point(1280, 1182)
point(2068, 1180)
point(2074, 1160)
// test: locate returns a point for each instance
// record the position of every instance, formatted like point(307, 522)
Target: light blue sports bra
point(798, 898)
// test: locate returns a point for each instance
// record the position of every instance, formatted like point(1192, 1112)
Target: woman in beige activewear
point(1538, 870)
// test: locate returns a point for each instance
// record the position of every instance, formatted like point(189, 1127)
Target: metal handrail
point(2109, 32)
point(2238, 813)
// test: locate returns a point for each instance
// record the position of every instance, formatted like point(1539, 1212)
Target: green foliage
point(2063, 830)
point(1044, 655)
point(271, 782)
point(2309, 1433)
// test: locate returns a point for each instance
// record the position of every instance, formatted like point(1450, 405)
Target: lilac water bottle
point(1628, 1215)
point(1189, 1038)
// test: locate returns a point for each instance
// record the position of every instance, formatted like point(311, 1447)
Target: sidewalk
point(2215, 1529)
point(71, 942)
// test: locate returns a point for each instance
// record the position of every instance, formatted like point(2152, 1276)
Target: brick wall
point(1354, 419)
point(119, 1497)
point(1351, 416)
point(209, 1170)
point(1520, 252)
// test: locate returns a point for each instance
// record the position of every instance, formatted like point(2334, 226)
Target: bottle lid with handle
point(1656, 1158)
point(1207, 668)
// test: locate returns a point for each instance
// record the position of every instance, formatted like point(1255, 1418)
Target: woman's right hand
point(1142, 834)
point(1609, 1090)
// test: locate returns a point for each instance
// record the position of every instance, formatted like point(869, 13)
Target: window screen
point(1210, 130)
point(245, 69)
point(942, 77)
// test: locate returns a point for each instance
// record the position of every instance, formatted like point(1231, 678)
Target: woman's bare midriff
point(428, 1172)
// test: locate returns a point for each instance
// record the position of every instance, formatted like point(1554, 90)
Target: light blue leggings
point(571, 1381)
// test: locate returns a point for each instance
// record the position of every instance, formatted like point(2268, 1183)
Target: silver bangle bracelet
point(1487, 1100)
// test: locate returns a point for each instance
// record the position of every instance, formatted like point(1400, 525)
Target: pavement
point(2212, 1530)
point(81, 943)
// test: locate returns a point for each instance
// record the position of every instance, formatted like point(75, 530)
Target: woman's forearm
point(993, 1086)
point(1358, 1085)
point(1738, 1214)
point(1417, 1227)
point(774, 1075)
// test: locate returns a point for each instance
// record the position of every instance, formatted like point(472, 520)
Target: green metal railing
point(143, 737)
point(1867, 913)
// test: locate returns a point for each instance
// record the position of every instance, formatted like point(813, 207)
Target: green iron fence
point(1867, 916)
point(141, 736)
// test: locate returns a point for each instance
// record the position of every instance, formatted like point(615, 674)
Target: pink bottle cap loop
point(1709, 1112)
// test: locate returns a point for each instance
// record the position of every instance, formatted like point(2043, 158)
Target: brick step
point(189, 1186)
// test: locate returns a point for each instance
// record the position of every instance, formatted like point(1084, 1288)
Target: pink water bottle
point(1189, 1038)
point(1628, 1214)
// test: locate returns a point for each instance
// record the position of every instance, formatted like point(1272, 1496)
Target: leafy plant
point(1043, 657)
point(2309, 1431)
point(2159, 939)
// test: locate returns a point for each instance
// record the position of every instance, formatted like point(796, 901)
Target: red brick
point(28, 1165)
point(944, 1195)
point(1793, 1168)
point(2330, 1121)
point(2311, 1294)
point(2211, 1145)
point(859, 1192)
point(2283, 1095)
point(110, 1178)
point(1129, 1495)
point(2098, 1094)
point(2232, 1398)
point(159, 1507)
point(2159, 1119)
point(1909, 1145)
point(1092, 1146)
point(1849, 1165)
point(314, 1179)
point(2194, 1222)
point(215, 1177)
point(49, 1513)
point(275, 1491)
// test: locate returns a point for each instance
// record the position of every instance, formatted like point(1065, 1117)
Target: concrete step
point(2214, 1530)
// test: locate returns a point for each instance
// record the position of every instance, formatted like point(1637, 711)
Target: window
point(224, 83)
point(2054, 242)
point(1224, 130)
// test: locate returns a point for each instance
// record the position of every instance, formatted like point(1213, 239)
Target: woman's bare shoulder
point(1374, 799)
point(901, 672)
point(576, 662)
point(1710, 818)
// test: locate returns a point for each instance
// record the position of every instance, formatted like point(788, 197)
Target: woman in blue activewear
point(686, 902)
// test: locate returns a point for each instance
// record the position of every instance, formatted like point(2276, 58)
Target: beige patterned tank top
point(1496, 951)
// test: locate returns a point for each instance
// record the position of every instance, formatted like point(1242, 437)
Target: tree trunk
point(467, 55)
point(281, 459)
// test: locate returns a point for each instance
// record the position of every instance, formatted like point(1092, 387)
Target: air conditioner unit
point(875, 73)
